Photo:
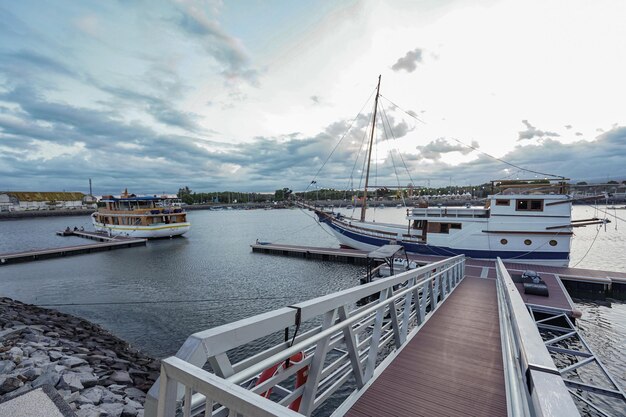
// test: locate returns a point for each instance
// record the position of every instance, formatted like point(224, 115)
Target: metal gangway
point(347, 339)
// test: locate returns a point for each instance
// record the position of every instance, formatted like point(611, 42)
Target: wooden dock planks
point(452, 367)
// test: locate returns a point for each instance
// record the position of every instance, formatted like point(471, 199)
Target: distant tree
point(281, 195)
point(581, 183)
point(612, 182)
point(185, 195)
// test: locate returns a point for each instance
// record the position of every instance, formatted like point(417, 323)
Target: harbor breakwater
point(96, 373)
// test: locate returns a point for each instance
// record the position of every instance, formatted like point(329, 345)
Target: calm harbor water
point(156, 296)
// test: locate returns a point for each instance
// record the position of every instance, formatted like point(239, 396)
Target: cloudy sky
point(255, 95)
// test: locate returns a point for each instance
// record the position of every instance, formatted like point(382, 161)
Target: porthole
point(504, 241)
point(528, 242)
point(553, 242)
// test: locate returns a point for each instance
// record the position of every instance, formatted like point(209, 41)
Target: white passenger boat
point(142, 217)
point(528, 221)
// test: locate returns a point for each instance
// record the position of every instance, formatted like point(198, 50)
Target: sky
point(258, 95)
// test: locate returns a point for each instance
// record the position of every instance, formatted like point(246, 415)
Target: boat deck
point(452, 365)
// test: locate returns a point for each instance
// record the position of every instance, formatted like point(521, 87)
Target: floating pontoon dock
point(438, 340)
point(106, 243)
point(574, 278)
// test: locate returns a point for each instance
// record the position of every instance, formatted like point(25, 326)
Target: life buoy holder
point(301, 376)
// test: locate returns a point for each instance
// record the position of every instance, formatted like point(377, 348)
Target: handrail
point(534, 386)
point(349, 343)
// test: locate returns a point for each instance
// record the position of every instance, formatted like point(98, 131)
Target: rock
point(6, 367)
point(72, 397)
point(51, 334)
point(31, 374)
point(49, 377)
point(81, 399)
point(88, 379)
point(88, 410)
point(55, 355)
point(129, 411)
point(71, 362)
point(121, 376)
point(94, 394)
point(21, 390)
point(9, 383)
point(112, 409)
point(133, 404)
point(135, 393)
point(116, 388)
point(70, 381)
point(109, 397)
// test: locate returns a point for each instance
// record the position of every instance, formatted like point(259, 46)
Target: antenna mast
point(369, 154)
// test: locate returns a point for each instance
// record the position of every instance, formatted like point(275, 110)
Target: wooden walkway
point(107, 243)
point(452, 367)
point(552, 275)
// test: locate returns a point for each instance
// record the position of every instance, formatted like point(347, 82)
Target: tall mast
point(369, 153)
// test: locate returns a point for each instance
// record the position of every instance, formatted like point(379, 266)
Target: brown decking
point(452, 367)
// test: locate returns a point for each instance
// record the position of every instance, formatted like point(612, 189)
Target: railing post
point(376, 334)
point(315, 371)
point(167, 395)
point(412, 295)
point(353, 352)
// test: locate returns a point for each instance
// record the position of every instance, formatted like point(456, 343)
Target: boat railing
point(534, 386)
point(454, 212)
point(156, 211)
point(347, 337)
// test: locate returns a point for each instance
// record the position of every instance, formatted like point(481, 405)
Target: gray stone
point(71, 361)
point(94, 394)
point(129, 411)
point(88, 410)
point(49, 377)
point(134, 393)
point(9, 383)
point(81, 399)
point(70, 381)
point(6, 367)
point(83, 369)
point(52, 334)
point(72, 397)
point(134, 404)
point(55, 355)
point(116, 388)
point(121, 376)
point(109, 397)
point(31, 373)
point(87, 379)
point(112, 409)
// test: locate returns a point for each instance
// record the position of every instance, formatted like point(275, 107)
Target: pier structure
point(598, 281)
point(105, 243)
point(432, 341)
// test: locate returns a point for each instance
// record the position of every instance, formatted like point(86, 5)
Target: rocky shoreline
point(96, 373)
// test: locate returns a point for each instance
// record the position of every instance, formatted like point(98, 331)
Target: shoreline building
point(31, 200)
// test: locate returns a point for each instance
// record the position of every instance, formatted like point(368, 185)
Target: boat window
point(529, 205)
point(528, 242)
point(504, 241)
point(502, 202)
point(553, 242)
point(442, 227)
point(455, 225)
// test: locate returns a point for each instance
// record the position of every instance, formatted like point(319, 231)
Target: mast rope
point(476, 149)
point(313, 181)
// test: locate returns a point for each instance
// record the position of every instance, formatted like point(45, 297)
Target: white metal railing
point(534, 386)
point(343, 343)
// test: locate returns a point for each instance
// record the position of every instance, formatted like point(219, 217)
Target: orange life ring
point(301, 376)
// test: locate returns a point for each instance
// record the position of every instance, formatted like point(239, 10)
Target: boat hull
point(145, 232)
point(361, 241)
